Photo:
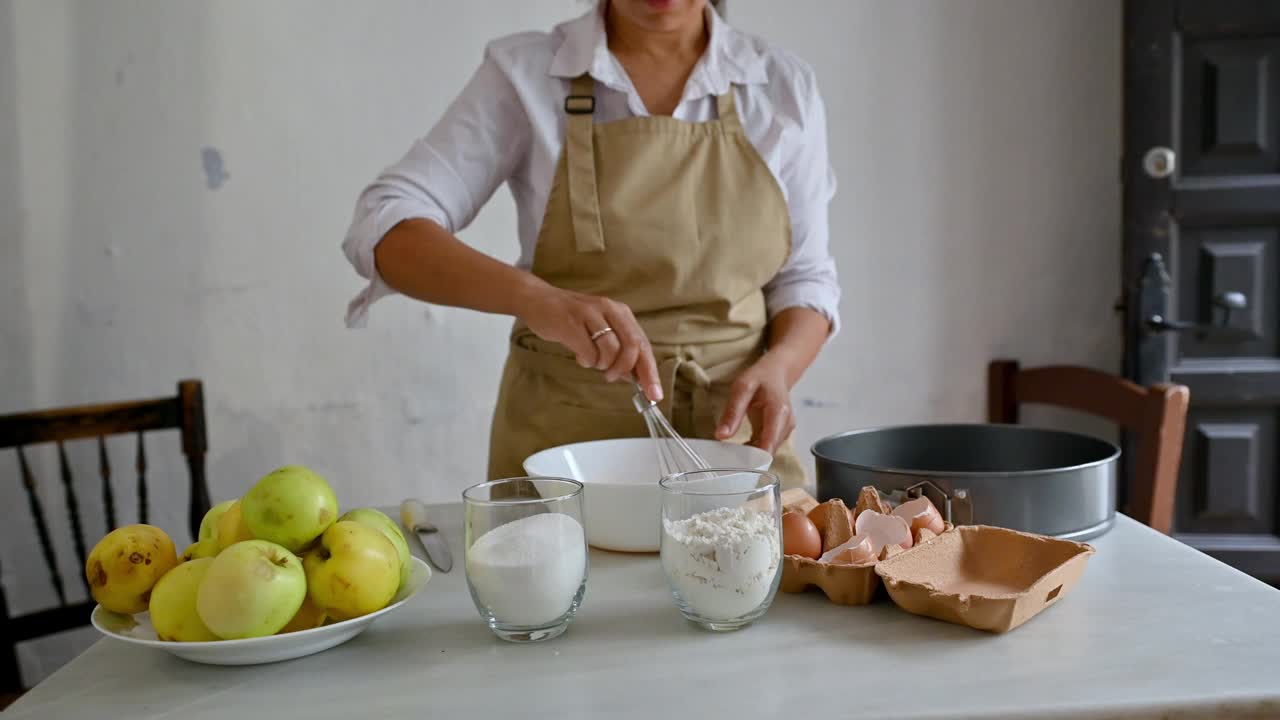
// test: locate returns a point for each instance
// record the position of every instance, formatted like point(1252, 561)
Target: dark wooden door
point(1201, 241)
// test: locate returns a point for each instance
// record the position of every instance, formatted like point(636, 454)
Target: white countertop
point(1154, 629)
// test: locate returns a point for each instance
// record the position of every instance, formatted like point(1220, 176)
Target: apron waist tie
point(681, 377)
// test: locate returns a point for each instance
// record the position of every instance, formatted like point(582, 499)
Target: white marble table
point(1155, 629)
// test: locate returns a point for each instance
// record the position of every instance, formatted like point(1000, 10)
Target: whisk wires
point(675, 455)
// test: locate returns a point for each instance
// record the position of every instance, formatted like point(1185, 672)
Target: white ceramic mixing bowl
point(622, 504)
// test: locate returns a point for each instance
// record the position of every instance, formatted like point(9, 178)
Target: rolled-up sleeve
point(809, 278)
point(446, 176)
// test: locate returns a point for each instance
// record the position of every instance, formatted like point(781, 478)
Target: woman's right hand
point(571, 318)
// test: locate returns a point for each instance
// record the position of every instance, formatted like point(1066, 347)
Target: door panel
point(1227, 127)
point(1224, 487)
point(1213, 261)
point(1203, 80)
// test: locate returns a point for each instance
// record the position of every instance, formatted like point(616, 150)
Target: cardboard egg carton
point(988, 578)
point(843, 584)
point(984, 577)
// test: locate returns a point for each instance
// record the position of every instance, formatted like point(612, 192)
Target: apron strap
point(580, 162)
point(727, 109)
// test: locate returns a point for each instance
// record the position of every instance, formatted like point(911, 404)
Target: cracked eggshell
point(884, 530)
point(847, 584)
point(920, 513)
point(854, 551)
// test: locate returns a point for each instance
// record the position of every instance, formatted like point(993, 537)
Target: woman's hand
point(571, 318)
point(762, 394)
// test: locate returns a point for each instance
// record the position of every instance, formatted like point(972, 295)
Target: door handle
point(1227, 301)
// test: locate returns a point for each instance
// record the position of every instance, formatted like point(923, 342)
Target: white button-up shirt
point(508, 126)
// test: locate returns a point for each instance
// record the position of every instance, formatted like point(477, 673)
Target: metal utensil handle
point(952, 502)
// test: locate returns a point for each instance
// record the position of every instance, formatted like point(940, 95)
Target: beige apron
point(685, 224)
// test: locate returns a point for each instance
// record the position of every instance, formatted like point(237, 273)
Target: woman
point(671, 180)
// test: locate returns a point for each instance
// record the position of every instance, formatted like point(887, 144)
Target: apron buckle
point(580, 104)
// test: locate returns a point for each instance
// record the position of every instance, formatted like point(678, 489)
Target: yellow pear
point(126, 564)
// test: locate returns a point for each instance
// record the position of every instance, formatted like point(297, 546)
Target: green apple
point(252, 589)
point(354, 571)
point(379, 521)
point(209, 523)
point(291, 507)
point(199, 549)
point(230, 528)
point(173, 603)
point(308, 616)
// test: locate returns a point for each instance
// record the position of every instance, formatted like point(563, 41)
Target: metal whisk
point(674, 454)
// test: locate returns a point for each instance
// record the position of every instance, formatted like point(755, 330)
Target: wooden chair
point(1157, 416)
point(185, 412)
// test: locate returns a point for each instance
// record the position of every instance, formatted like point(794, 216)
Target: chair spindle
point(142, 480)
point(108, 497)
point(42, 527)
point(73, 509)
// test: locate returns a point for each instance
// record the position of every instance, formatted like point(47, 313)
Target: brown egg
point(800, 536)
point(818, 516)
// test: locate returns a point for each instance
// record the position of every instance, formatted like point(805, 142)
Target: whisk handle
point(640, 399)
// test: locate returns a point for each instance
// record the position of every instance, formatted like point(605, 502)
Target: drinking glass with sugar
point(526, 555)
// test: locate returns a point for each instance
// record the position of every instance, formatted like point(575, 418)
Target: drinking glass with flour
point(526, 555)
point(722, 544)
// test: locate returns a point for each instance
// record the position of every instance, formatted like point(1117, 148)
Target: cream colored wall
point(976, 142)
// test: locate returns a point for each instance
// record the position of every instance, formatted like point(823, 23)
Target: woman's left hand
point(762, 394)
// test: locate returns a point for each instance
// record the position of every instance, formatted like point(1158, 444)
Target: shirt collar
point(730, 57)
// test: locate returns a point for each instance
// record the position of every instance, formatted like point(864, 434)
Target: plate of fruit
point(274, 575)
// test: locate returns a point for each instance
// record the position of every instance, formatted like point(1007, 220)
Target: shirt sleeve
point(808, 279)
point(446, 176)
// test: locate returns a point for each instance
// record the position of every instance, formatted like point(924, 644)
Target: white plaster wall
point(976, 142)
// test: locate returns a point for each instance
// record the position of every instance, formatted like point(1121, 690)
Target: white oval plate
point(137, 629)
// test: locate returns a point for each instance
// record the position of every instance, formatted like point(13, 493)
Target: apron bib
point(685, 224)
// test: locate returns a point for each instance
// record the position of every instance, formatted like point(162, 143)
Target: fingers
point(775, 424)
point(608, 348)
point(622, 352)
point(623, 362)
point(635, 357)
point(621, 342)
point(741, 393)
point(579, 340)
point(646, 372)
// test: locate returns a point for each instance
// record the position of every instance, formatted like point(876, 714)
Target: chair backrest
point(1156, 415)
point(184, 412)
